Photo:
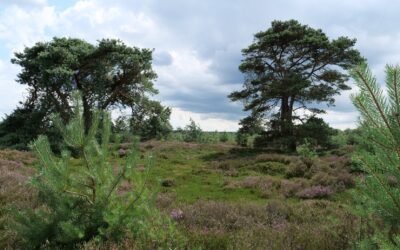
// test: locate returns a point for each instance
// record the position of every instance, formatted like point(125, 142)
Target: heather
point(221, 196)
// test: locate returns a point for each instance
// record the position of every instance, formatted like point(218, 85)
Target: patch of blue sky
point(61, 5)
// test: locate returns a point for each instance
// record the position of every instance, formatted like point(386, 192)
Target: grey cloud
point(225, 65)
point(204, 102)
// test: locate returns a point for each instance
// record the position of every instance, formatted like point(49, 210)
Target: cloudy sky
point(197, 43)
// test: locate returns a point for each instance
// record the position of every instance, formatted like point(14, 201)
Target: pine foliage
point(380, 122)
point(89, 198)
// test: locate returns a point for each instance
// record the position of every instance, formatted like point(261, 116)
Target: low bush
point(242, 139)
point(14, 189)
point(269, 167)
point(290, 188)
point(307, 153)
point(192, 132)
point(314, 192)
point(277, 225)
point(295, 169)
point(223, 137)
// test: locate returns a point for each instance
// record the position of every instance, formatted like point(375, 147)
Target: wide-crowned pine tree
point(289, 67)
point(89, 197)
point(380, 156)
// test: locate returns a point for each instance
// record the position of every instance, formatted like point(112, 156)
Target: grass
point(234, 198)
point(208, 180)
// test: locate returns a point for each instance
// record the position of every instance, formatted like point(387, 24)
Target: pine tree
point(289, 67)
point(380, 160)
point(89, 197)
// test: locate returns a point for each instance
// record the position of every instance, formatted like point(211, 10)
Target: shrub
point(223, 137)
point(346, 179)
point(307, 153)
point(269, 167)
point(264, 186)
point(87, 198)
point(289, 188)
point(192, 132)
point(311, 224)
point(323, 179)
point(314, 192)
point(275, 157)
point(315, 131)
point(13, 189)
point(242, 139)
point(295, 169)
point(338, 161)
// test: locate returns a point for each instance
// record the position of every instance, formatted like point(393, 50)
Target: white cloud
point(21, 27)
point(186, 72)
point(11, 93)
point(180, 118)
point(341, 120)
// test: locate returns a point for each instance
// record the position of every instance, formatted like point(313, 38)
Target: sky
point(197, 44)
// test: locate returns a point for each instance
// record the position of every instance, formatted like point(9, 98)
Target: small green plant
point(379, 154)
point(89, 198)
point(242, 139)
point(193, 132)
point(307, 153)
point(223, 137)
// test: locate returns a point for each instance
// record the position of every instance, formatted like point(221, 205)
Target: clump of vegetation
point(15, 172)
point(90, 198)
point(192, 132)
point(276, 225)
point(23, 126)
point(314, 192)
point(242, 139)
point(315, 131)
point(223, 137)
point(380, 131)
point(307, 153)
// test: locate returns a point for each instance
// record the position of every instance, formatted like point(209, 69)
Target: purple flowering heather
point(176, 214)
point(314, 192)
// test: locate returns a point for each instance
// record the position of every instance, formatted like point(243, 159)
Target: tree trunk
point(286, 116)
point(87, 114)
point(292, 145)
point(286, 123)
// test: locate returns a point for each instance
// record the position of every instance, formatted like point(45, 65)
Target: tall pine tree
point(290, 67)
